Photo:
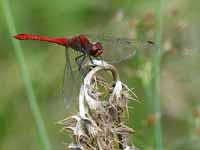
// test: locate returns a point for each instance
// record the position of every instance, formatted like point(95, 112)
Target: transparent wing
point(71, 81)
point(119, 49)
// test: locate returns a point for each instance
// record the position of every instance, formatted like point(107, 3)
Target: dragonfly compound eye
point(96, 50)
point(98, 45)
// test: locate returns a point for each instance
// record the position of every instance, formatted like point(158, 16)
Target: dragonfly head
point(96, 49)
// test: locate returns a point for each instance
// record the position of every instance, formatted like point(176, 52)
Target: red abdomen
point(60, 41)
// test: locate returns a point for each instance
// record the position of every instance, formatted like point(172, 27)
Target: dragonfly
point(89, 46)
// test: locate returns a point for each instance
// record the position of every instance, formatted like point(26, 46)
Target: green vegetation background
point(179, 65)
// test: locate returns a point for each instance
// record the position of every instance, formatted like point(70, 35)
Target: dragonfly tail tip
point(20, 36)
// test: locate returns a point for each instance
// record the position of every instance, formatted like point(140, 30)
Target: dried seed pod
point(98, 124)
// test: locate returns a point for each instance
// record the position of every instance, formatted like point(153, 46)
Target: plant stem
point(156, 76)
point(26, 78)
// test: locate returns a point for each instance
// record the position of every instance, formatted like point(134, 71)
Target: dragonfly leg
point(79, 61)
point(91, 60)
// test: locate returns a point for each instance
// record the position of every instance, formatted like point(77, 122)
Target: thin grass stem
point(156, 74)
point(26, 77)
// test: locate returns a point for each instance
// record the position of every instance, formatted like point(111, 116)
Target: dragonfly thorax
point(82, 44)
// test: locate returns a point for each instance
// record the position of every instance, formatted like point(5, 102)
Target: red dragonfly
point(90, 46)
point(79, 43)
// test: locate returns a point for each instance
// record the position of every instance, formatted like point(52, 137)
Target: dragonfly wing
point(71, 81)
point(119, 49)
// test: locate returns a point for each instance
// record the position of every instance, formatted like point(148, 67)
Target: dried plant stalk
point(98, 124)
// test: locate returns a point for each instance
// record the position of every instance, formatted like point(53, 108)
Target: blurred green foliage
point(179, 84)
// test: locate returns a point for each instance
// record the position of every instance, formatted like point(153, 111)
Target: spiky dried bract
point(98, 124)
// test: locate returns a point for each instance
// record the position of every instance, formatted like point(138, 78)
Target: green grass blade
point(26, 78)
point(156, 75)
